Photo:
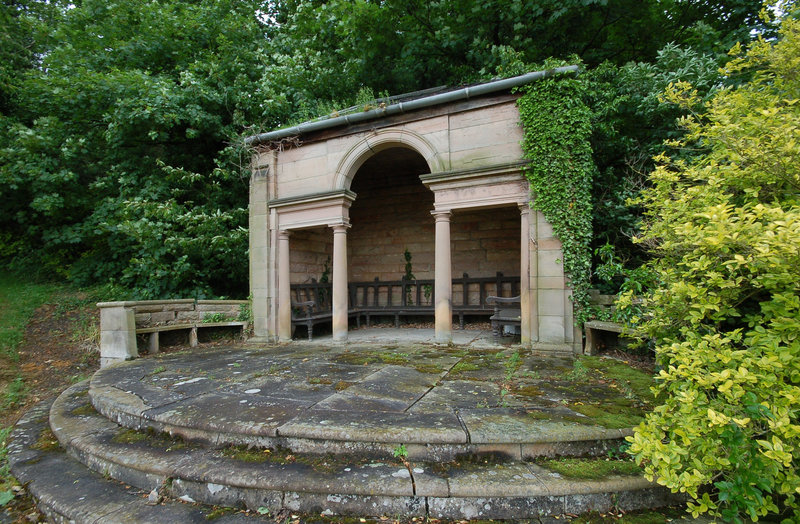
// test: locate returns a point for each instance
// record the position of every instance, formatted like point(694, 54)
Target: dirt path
point(59, 349)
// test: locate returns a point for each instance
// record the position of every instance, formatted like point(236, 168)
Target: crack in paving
point(463, 425)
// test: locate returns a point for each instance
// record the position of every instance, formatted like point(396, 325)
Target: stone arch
point(377, 142)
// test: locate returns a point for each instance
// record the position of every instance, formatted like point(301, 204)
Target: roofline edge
point(420, 103)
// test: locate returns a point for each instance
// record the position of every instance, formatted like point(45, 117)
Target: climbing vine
point(557, 125)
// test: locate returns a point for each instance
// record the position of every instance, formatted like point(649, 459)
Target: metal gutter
point(403, 107)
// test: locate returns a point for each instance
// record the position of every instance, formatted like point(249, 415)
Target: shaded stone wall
point(485, 242)
point(385, 225)
point(391, 213)
point(309, 251)
point(385, 222)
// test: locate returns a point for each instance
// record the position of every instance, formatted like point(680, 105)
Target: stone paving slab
point(308, 484)
point(513, 479)
point(419, 395)
point(458, 394)
point(228, 413)
point(66, 491)
point(366, 404)
point(517, 426)
point(428, 428)
point(288, 389)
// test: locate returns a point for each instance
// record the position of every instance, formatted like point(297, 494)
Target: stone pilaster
point(525, 274)
point(284, 288)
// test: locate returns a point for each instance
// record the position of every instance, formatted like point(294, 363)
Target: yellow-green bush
point(724, 230)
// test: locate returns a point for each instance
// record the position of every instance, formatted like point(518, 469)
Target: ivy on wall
point(557, 126)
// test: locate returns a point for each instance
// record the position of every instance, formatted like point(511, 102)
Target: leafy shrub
point(725, 312)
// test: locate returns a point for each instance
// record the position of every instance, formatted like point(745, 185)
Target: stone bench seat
point(505, 314)
point(593, 328)
point(153, 331)
point(121, 322)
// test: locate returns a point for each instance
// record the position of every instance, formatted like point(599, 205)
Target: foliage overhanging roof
point(405, 103)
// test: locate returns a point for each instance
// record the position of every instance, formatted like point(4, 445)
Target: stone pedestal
point(117, 333)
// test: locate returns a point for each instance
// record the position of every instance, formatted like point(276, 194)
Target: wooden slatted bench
point(311, 305)
point(311, 302)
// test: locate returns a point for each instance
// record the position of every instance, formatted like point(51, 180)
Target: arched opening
point(391, 216)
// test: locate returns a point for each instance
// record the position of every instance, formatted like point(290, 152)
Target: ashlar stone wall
point(462, 163)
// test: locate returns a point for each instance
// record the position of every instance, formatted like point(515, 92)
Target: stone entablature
point(474, 161)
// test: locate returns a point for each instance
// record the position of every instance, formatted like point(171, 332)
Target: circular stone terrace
point(366, 428)
point(371, 396)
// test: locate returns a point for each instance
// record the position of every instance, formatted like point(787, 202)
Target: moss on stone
point(394, 358)
point(219, 511)
point(629, 380)
point(463, 366)
point(247, 454)
point(149, 437)
point(433, 369)
point(84, 410)
point(527, 391)
point(590, 469)
point(328, 463)
point(342, 385)
point(47, 441)
point(357, 358)
point(610, 415)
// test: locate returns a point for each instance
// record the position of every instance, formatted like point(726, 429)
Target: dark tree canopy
point(405, 45)
point(121, 122)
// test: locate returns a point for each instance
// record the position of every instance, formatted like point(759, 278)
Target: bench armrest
point(308, 306)
point(503, 300)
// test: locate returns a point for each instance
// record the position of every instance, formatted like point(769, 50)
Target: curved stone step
point(333, 485)
point(66, 491)
point(226, 398)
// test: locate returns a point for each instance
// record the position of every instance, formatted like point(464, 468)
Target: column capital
point(524, 207)
point(441, 215)
point(284, 233)
point(340, 227)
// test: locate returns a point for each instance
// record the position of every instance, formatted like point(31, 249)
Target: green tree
point(120, 163)
point(725, 316)
point(333, 47)
point(629, 125)
point(119, 118)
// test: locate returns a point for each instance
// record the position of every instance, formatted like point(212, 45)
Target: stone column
point(442, 273)
point(284, 288)
point(524, 274)
point(340, 281)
